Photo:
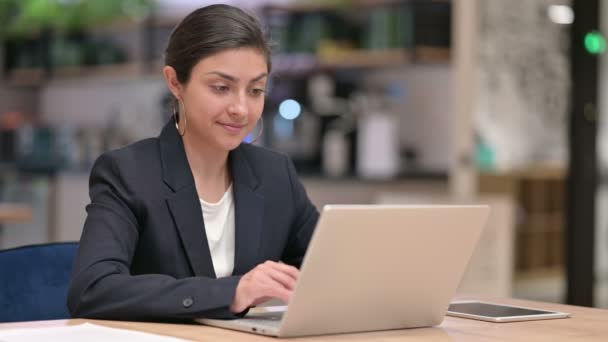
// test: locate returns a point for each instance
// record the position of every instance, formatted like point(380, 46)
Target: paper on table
point(83, 332)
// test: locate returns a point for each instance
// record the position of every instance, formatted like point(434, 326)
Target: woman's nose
point(238, 107)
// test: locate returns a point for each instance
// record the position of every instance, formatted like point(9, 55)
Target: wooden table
point(10, 213)
point(586, 324)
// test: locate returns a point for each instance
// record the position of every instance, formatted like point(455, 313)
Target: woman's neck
point(210, 169)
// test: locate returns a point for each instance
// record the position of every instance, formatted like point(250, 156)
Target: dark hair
point(210, 30)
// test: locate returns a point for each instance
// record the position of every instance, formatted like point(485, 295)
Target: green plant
point(30, 17)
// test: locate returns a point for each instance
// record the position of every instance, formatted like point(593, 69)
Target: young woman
point(195, 223)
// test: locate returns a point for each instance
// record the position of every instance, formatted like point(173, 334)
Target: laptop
point(374, 267)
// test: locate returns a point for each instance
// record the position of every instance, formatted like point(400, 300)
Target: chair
point(34, 281)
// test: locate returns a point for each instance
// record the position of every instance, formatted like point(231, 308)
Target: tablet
point(500, 313)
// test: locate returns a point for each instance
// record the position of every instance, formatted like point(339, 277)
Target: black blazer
point(143, 253)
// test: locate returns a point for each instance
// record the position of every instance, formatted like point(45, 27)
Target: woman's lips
point(232, 128)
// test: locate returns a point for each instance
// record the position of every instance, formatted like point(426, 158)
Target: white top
point(219, 227)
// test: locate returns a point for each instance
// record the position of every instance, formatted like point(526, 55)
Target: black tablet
point(500, 313)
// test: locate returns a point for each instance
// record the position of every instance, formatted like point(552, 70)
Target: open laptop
point(374, 267)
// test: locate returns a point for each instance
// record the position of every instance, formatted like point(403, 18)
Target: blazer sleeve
point(304, 222)
point(101, 284)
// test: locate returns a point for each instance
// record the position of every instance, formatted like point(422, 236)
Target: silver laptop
point(374, 267)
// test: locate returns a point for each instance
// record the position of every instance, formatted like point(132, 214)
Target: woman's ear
point(172, 82)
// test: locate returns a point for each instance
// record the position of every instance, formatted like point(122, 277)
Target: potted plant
point(45, 33)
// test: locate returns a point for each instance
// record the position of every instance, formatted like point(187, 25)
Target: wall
point(601, 237)
point(523, 84)
point(23, 99)
point(134, 103)
point(179, 8)
point(35, 191)
point(426, 113)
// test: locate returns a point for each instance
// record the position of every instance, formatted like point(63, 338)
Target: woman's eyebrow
point(258, 78)
point(223, 75)
point(235, 79)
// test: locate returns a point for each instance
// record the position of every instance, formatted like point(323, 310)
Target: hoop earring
point(176, 116)
point(261, 131)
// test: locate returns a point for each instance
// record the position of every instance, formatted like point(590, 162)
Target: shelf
point(431, 55)
point(98, 71)
point(329, 6)
point(354, 59)
point(365, 58)
point(159, 21)
point(282, 64)
point(25, 77)
point(37, 76)
point(540, 273)
point(546, 171)
point(395, 57)
point(12, 213)
point(301, 7)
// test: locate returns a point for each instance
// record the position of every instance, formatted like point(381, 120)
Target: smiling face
point(223, 98)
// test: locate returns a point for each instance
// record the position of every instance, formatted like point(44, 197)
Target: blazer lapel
point(187, 214)
point(249, 213)
point(183, 203)
point(186, 211)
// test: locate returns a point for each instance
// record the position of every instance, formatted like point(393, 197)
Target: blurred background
point(376, 101)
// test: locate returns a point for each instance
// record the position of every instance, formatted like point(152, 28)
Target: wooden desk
point(14, 213)
point(585, 325)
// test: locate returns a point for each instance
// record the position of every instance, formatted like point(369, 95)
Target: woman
point(193, 223)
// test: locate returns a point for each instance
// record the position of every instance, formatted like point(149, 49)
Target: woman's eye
point(257, 91)
point(220, 88)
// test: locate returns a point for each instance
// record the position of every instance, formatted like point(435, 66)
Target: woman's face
point(224, 97)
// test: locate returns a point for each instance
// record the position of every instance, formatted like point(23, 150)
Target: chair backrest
point(34, 281)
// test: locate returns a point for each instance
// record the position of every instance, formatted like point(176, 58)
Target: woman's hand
point(268, 280)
